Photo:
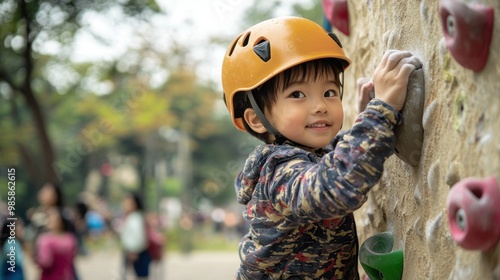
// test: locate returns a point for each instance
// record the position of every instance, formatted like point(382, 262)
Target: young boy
point(282, 84)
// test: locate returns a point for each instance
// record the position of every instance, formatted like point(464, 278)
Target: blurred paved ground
point(195, 266)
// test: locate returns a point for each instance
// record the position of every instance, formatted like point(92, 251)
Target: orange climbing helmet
point(270, 47)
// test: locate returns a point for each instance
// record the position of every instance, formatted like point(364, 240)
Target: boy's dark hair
point(265, 95)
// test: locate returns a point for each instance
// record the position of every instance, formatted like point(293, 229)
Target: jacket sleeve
point(339, 183)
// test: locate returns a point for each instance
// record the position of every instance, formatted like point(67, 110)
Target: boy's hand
point(365, 93)
point(391, 77)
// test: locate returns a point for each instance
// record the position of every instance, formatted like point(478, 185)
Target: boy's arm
point(339, 183)
point(338, 137)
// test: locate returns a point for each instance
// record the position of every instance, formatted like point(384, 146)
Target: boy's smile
point(320, 126)
point(308, 112)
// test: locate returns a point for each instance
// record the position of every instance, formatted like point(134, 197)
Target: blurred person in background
point(81, 229)
point(49, 196)
point(11, 257)
point(96, 224)
point(56, 248)
point(156, 245)
point(133, 237)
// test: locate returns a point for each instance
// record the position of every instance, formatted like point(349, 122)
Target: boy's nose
point(320, 107)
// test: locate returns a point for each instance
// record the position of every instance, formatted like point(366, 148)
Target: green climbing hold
point(379, 260)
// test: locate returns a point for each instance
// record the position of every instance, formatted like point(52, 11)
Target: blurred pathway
point(195, 266)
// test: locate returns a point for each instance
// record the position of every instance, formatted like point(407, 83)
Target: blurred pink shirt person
point(56, 250)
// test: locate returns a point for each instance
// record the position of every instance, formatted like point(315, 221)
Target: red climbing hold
point(467, 30)
point(337, 14)
point(474, 213)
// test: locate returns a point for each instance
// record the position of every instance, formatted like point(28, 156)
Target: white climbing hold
point(432, 230)
point(417, 194)
point(429, 117)
point(417, 227)
point(453, 174)
point(433, 178)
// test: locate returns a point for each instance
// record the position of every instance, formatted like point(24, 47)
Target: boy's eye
point(331, 93)
point(297, 94)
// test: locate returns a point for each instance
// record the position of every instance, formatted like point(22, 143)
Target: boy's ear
point(253, 121)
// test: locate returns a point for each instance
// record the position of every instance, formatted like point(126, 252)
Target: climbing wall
point(461, 138)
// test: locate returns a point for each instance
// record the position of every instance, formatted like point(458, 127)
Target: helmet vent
point(263, 50)
point(245, 40)
point(233, 46)
point(335, 38)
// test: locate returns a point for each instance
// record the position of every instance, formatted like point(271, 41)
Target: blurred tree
point(313, 11)
point(193, 105)
point(25, 26)
point(60, 119)
point(262, 10)
point(173, 122)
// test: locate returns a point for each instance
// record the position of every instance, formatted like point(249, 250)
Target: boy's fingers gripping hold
point(385, 57)
point(415, 61)
point(395, 58)
point(408, 65)
point(391, 77)
point(406, 70)
point(365, 92)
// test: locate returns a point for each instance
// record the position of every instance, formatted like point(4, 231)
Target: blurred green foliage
point(68, 121)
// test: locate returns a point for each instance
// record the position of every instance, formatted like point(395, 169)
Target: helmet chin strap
point(261, 116)
point(280, 139)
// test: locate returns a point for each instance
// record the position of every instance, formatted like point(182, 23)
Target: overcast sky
point(191, 22)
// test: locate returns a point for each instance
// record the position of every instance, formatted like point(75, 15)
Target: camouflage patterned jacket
point(299, 205)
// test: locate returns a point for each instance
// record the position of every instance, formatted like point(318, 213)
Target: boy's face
point(308, 112)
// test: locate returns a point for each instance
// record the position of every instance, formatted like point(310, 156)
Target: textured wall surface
point(461, 136)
